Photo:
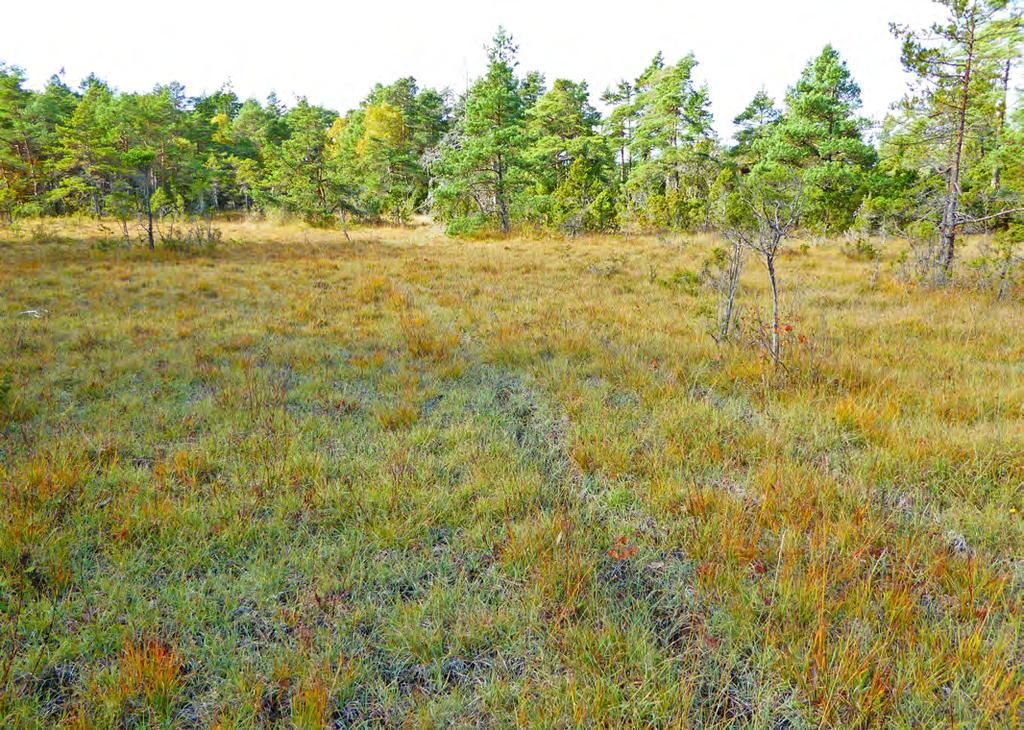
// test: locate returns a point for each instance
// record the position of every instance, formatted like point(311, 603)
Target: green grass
point(415, 481)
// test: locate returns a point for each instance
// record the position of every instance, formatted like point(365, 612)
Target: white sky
point(333, 52)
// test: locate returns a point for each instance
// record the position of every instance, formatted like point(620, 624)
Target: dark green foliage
point(517, 152)
point(571, 162)
point(754, 124)
point(302, 174)
point(820, 135)
point(481, 167)
point(673, 149)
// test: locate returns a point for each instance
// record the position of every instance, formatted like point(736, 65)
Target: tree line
point(514, 152)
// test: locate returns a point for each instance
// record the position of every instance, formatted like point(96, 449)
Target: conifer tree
point(570, 160)
point(85, 155)
point(754, 124)
point(821, 135)
point(481, 166)
point(302, 174)
point(620, 122)
point(674, 147)
point(959, 65)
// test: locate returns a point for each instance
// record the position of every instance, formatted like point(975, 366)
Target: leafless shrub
point(995, 268)
point(721, 273)
point(763, 212)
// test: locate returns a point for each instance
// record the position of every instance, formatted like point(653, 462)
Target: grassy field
point(410, 481)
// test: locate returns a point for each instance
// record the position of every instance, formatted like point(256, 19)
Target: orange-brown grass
point(412, 481)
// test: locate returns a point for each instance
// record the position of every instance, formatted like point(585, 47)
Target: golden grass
point(416, 481)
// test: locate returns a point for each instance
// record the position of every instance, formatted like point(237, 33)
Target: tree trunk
point(148, 200)
point(499, 198)
point(1004, 277)
point(734, 283)
point(344, 224)
point(997, 174)
point(770, 262)
point(947, 229)
point(503, 215)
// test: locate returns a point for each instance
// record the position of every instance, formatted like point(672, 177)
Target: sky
point(333, 52)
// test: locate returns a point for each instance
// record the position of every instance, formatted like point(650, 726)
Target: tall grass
point(291, 481)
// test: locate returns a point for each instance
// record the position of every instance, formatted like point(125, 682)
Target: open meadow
point(406, 480)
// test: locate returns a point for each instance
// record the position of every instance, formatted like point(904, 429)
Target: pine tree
point(303, 177)
point(14, 172)
point(674, 147)
point(620, 123)
point(959, 65)
point(481, 167)
point(821, 134)
point(85, 156)
point(570, 160)
point(382, 145)
point(755, 123)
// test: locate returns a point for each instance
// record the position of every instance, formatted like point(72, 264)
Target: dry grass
point(415, 481)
